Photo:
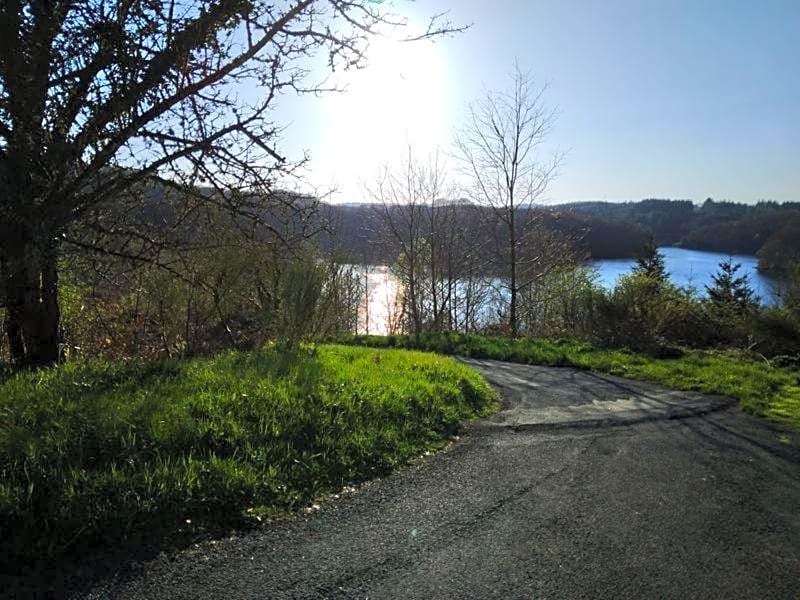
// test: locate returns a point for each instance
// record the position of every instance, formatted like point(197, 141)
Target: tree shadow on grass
point(75, 570)
point(47, 552)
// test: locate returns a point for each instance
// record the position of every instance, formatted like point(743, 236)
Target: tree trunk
point(512, 233)
point(33, 316)
point(434, 294)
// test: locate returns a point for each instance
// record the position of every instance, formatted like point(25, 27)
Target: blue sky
point(655, 98)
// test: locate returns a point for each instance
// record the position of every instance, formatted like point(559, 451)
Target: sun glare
point(398, 99)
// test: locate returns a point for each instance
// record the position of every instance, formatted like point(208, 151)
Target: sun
point(397, 100)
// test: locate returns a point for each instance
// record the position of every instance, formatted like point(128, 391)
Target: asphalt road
point(583, 486)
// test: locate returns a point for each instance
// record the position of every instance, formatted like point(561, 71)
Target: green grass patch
point(100, 453)
point(761, 388)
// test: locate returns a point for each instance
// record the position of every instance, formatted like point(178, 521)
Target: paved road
point(583, 486)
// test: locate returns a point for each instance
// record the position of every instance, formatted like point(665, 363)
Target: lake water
point(692, 268)
point(380, 312)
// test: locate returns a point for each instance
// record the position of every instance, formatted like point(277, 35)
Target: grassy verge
point(99, 453)
point(760, 388)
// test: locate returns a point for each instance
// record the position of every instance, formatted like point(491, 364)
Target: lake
point(380, 310)
point(692, 268)
point(379, 314)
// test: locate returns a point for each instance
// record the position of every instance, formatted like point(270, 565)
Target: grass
point(101, 453)
point(760, 388)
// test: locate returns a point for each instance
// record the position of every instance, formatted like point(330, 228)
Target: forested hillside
point(616, 230)
point(357, 233)
point(596, 229)
point(767, 229)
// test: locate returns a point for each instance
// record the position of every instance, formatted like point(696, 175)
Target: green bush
point(234, 294)
point(652, 315)
point(632, 314)
point(775, 332)
point(563, 302)
point(684, 320)
point(102, 452)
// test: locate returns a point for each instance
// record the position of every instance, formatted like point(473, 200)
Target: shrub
point(684, 320)
point(631, 314)
point(237, 296)
point(774, 331)
point(561, 303)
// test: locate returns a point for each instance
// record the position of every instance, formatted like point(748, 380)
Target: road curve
point(582, 486)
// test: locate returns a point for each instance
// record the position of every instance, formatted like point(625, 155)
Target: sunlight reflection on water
point(378, 312)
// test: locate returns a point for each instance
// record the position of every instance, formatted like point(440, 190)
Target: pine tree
point(730, 290)
point(650, 262)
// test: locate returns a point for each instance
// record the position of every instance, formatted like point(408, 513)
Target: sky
point(655, 98)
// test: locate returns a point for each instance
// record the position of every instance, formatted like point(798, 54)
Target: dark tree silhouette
point(729, 290)
point(98, 97)
point(650, 262)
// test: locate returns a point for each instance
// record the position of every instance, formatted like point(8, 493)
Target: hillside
point(766, 229)
point(357, 232)
point(598, 229)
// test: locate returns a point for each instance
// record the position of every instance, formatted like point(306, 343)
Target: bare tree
point(500, 149)
point(98, 97)
point(411, 202)
point(549, 270)
point(439, 231)
point(470, 277)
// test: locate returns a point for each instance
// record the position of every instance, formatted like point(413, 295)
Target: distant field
point(761, 388)
point(98, 453)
